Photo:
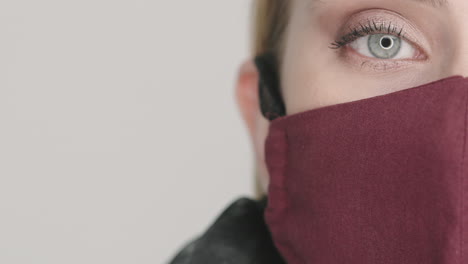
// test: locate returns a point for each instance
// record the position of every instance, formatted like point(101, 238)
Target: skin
point(314, 75)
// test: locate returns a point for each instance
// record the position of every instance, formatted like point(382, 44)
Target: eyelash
point(364, 30)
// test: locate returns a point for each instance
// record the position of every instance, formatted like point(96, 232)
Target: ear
point(247, 93)
point(247, 97)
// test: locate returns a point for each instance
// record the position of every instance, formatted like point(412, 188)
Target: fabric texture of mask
point(381, 180)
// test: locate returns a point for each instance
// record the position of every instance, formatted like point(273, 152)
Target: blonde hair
point(269, 23)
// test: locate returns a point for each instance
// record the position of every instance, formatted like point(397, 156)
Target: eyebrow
point(434, 3)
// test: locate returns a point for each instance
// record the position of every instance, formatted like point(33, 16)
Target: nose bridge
point(457, 58)
point(458, 53)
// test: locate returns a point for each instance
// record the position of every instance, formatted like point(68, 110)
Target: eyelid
point(370, 28)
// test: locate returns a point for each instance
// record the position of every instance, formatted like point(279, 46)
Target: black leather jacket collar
point(238, 236)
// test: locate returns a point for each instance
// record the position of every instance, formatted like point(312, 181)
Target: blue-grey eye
point(383, 46)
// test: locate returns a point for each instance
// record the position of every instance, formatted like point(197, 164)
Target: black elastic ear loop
point(271, 101)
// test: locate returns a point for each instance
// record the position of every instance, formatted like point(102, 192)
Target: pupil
point(386, 42)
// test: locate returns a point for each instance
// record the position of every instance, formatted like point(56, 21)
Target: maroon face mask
point(381, 180)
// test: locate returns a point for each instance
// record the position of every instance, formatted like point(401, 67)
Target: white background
point(120, 138)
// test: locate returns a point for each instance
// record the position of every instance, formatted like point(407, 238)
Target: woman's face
point(344, 50)
point(339, 51)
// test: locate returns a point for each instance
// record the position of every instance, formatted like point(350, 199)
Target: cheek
point(310, 82)
point(311, 76)
point(313, 87)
